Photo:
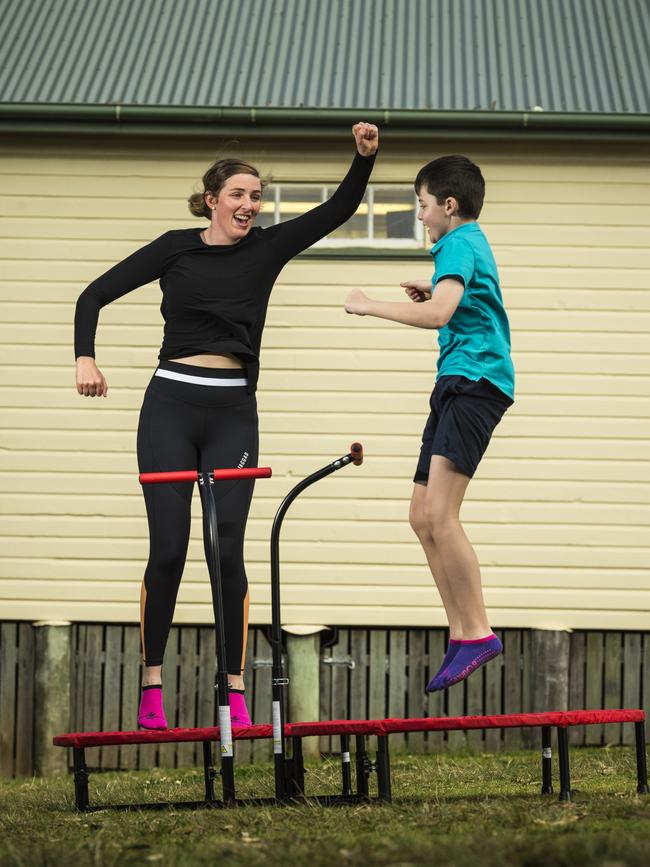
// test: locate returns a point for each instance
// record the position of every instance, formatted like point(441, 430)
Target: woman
point(199, 409)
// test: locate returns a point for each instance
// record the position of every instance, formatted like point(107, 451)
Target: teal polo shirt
point(476, 341)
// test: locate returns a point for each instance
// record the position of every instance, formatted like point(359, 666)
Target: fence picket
point(513, 684)
point(92, 706)
point(187, 690)
point(397, 681)
point(594, 683)
point(631, 679)
point(261, 750)
point(415, 695)
point(494, 702)
point(25, 704)
point(131, 679)
point(377, 678)
point(358, 676)
point(435, 701)
point(8, 698)
point(613, 682)
point(171, 675)
point(111, 698)
point(577, 664)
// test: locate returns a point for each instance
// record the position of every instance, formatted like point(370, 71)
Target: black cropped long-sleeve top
point(215, 297)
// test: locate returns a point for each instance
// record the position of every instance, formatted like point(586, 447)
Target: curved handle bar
point(193, 475)
point(356, 450)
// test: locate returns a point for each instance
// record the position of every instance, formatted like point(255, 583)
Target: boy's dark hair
point(455, 176)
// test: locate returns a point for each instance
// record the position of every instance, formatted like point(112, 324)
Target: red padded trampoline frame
point(360, 729)
point(563, 719)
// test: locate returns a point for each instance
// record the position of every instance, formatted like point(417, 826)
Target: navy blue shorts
point(464, 413)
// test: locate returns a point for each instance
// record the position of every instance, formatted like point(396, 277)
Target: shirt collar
point(463, 229)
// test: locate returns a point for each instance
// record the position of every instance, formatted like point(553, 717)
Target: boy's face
point(436, 218)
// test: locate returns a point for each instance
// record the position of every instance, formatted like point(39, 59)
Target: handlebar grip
point(356, 450)
point(246, 473)
point(175, 476)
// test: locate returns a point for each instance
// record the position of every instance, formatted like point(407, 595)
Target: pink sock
point(478, 640)
point(151, 714)
point(238, 710)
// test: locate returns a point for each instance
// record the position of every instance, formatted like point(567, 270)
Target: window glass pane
point(394, 212)
point(298, 200)
point(385, 213)
point(356, 226)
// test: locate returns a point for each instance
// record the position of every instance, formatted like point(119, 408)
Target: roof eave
point(193, 121)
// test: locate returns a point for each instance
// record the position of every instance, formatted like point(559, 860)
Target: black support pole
point(641, 764)
point(383, 769)
point(346, 769)
point(563, 756)
point(297, 767)
point(80, 779)
point(361, 762)
point(209, 772)
point(211, 546)
point(280, 682)
point(547, 762)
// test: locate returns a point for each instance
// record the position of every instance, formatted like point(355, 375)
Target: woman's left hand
point(357, 302)
point(366, 136)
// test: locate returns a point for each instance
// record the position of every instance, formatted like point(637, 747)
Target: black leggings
point(187, 425)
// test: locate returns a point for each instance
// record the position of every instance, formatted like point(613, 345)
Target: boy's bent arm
point(434, 313)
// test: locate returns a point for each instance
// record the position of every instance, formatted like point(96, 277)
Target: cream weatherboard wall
point(560, 509)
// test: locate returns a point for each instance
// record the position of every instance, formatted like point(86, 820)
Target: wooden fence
point(364, 674)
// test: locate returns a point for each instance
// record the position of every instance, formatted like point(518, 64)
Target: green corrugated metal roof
point(475, 56)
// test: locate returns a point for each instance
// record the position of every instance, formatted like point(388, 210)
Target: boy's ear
point(451, 206)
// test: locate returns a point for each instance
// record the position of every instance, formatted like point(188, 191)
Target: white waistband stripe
point(200, 380)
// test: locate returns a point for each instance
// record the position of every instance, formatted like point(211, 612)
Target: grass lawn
point(451, 810)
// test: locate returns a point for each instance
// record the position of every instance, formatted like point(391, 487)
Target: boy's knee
point(418, 522)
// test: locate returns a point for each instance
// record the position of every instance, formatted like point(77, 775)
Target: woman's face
point(235, 208)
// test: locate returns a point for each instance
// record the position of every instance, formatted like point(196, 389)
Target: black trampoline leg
point(296, 785)
point(362, 765)
point(547, 762)
point(383, 769)
point(641, 765)
point(209, 772)
point(563, 756)
point(80, 779)
point(346, 770)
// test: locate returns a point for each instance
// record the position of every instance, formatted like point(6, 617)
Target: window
point(386, 217)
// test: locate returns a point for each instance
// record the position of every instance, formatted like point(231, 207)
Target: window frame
point(416, 242)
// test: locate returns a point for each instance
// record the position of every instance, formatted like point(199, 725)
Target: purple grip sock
point(471, 655)
point(436, 682)
point(151, 714)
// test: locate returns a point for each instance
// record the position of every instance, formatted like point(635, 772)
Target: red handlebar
point(193, 475)
point(356, 450)
point(247, 473)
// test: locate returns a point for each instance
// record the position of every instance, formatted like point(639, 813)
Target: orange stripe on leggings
point(143, 602)
point(245, 632)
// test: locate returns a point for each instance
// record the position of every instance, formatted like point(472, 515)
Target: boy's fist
point(356, 302)
point(366, 135)
point(417, 290)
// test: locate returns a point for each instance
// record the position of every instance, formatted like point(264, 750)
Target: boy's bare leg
point(418, 518)
point(444, 496)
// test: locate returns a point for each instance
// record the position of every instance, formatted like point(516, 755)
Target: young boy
point(474, 387)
